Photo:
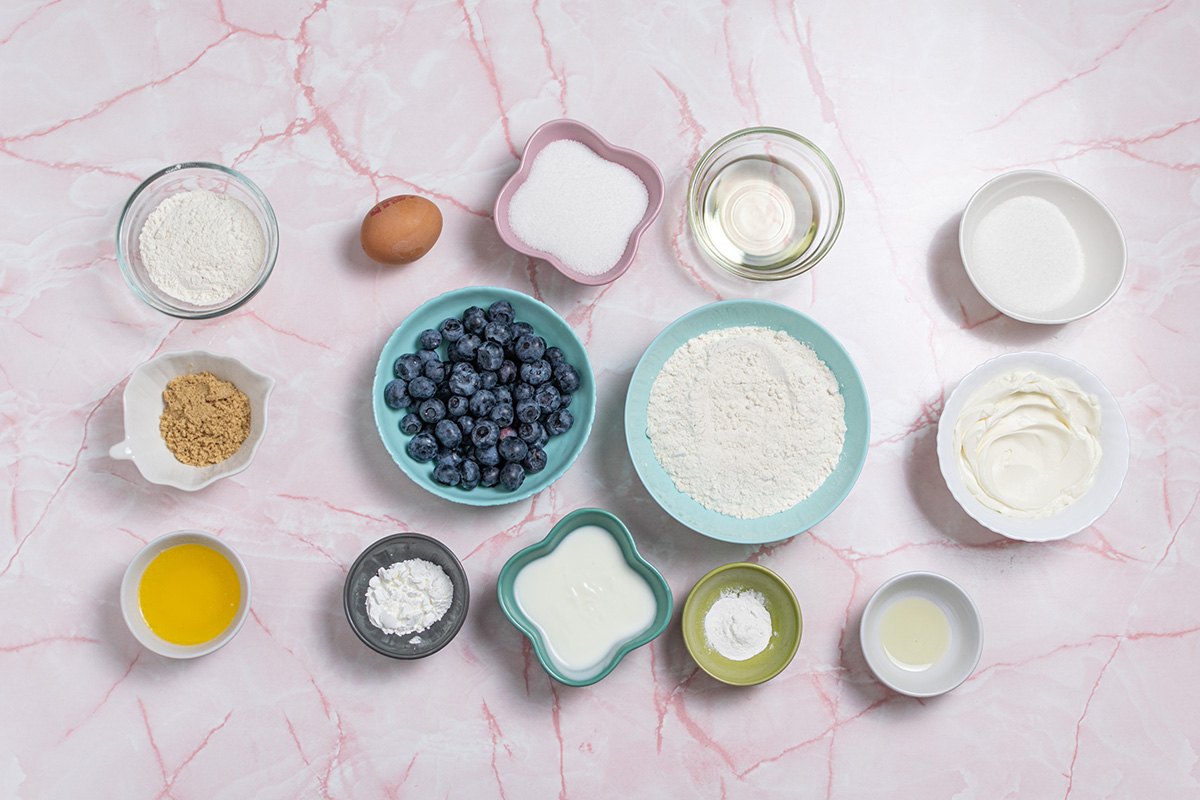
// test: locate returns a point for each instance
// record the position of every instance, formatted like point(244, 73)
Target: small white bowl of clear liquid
point(765, 204)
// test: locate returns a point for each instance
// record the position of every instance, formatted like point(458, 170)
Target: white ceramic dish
point(1100, 237)
point(132, 610)
point(1114, 446)
point(966, 634)
point(144, 445)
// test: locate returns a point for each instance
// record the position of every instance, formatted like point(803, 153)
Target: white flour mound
point(747, 421)
point(202, 247)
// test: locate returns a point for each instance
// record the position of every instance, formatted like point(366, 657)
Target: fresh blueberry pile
point(484, 415)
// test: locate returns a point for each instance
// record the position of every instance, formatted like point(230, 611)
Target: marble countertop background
point(1087, 683)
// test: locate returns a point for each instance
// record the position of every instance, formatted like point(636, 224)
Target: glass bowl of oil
point(765, 204)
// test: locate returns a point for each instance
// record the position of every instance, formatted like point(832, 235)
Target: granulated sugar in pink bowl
point(578, 202)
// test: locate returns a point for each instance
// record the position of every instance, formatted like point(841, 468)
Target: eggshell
point(400, 229)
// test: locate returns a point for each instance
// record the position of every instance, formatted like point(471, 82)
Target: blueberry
point(506, 373)
point(432, 410)
point(447, 475)
point(501, 311)
point(457, 405)
point(465, 348)
point(558, 422)
point(452, 329)
point(448, 433)
point(535, 459)
point(529, 347)
point(512, 475)
point(564, 399)
point(513, 448)
point(430, 339)
point(527, 411)
point(488, 456)
point(555, 356)
point(463, 380)
point(566, 378)
point(410, 424)
point(547, 397)
point(448, 457)
point(422, 388)
point(486, 433)
point(489, 476)
point(522, 391)
point(502, 414)
point(407, 366)
point(466, 424)
point(395, 394)
point(435, 370)
point(443, 391)
point(489, 356)
point(503, 394)
point(530, 432)
point(474, 319)
point(482, 402)
point(519, 329)
point(497, 332)
point(488, 379)
point(470, 474)
point(428, 355)
point(536, 372)
point(422, 447)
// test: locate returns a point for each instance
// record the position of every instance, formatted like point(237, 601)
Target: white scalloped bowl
point(1114, 447)
point(144, 445)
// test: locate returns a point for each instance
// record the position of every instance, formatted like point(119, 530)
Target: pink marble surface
point(1087, 683)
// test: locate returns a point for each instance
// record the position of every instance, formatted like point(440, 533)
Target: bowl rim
point(478, 497)
point(994, 184)
point(563, 128)
point(693, 598)
point(660, 486)
point(633, 557)
point(945, 586)
point(807, 260)
point(1114, 459)
point(459, 580)
point(131, 579)
point(200, 312)
point(123, 450)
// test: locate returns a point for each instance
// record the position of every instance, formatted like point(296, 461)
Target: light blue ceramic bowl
point(803, 515)
point(516, 615)
point(561, 450)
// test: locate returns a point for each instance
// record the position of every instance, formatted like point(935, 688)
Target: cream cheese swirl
point(1027, 444)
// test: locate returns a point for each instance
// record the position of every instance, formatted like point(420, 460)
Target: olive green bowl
point(786, 624)
point(624, 539)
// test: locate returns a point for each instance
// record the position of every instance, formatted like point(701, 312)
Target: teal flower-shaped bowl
point(546, 656)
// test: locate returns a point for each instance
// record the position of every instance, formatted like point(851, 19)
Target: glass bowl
point(765, 204)
point(191, 176)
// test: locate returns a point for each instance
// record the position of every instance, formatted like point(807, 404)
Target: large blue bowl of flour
point(806, 513)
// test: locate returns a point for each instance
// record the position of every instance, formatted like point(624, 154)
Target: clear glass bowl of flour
point(215, 239)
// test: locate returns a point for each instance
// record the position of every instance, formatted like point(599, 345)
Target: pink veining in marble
point(1087, 683)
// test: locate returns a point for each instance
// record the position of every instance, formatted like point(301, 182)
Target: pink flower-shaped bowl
point(636, 163)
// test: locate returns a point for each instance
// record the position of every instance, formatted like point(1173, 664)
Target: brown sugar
point(204, 419)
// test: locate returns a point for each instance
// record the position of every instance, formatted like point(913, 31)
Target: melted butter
point(189, 594)
point(914, 633)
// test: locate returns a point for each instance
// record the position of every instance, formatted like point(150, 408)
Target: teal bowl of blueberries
point(484, 396)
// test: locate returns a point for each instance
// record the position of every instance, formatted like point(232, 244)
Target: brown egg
point(400, 229)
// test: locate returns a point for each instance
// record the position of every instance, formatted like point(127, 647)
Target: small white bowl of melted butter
point(1033, 446)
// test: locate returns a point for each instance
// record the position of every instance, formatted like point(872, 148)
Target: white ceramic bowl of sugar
point(143, 443)
point(1041, 248)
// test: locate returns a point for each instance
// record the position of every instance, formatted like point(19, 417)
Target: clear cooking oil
point(759, 212)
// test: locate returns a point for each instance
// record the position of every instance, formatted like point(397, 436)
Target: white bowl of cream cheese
point(1033, 446)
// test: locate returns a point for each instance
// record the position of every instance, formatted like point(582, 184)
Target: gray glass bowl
point(185, 177)
point(384, 553)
